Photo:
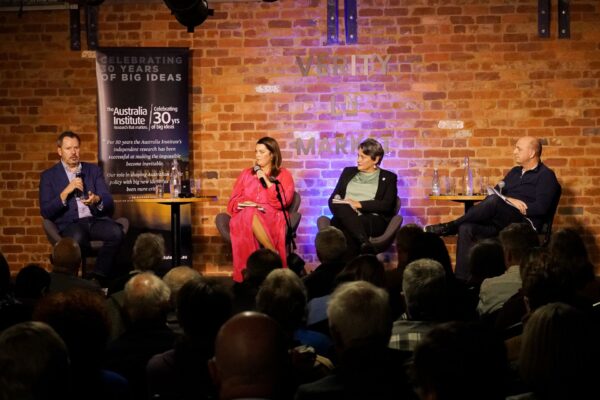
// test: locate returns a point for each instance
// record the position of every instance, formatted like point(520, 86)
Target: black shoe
point(368, 248)
point(445, 229)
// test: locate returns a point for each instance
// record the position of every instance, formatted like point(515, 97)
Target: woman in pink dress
point(257, 218)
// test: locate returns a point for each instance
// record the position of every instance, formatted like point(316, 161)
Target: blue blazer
point(385, 197)
point(52, 183)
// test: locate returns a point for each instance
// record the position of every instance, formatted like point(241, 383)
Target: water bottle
point(435, 183)
point(468, 178)
point(175, 181)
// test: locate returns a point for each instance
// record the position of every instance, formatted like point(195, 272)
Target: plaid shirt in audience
point(406, 334)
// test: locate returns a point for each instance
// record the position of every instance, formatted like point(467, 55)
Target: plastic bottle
point(175, 180)
point(435, 183)
point(468, 179)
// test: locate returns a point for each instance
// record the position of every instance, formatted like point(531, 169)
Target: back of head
point(407, 238)
point(259, 264)
point(486, 260)
point(203, 305)
point(251, 358)
point(359, 315)
point(148, 252)
point(517, 240)
point(425, 290)
point(566, 246)
point(544, 280)
point(177, 277)
point(330, 244)
point(282, 296)
point(66, 256)
point(366, 267)
point(146, 299)
point(459, 360)
point(433, 247)
point(81, 319)
point(32, 282)
point(34, 363)
point(559, 352)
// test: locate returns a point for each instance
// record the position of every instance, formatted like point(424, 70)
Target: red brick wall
point(481, 63)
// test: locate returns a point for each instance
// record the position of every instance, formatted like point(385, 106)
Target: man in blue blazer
point(74, 195)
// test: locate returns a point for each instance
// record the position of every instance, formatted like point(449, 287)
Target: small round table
point(175, 204)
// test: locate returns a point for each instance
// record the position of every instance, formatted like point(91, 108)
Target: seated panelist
point(364, 198)
point(257, 217)
point(74, 195)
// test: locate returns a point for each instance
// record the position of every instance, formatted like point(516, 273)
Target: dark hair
point(366, 267)
point(518, 239)
point(567, 247)
point(80, 317)
point(68, 134)
point(486, 260)
point(203, 306)
point(272, 145)
point(373, 149)
point(32, 282)
point(260, 263)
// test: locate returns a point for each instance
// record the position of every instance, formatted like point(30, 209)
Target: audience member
point(559, 354)
point(365, 267)
point(148, 254)
point(460, 360)
point(66, 261)
point(31, 284)
point(359, 319)
point(146, 305)
point(203, 305)
point(567, 247)
point(486, 260)
point(175, 279)
point(330, 244)
point(407, 238)
point(12, 311)
point(517, 241)
point(282, 296)
point(34, 363)
point(251, 359)
point(425, 294)
point(258, 266)
point(80, 318)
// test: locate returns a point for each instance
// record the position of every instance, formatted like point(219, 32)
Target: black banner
point(143, 126)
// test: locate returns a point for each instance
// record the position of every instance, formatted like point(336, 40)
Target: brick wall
point(262, 69)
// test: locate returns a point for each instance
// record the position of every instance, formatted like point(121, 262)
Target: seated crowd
point(524, 325)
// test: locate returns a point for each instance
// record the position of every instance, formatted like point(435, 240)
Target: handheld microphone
point(501, 185)
point(78, 174)
point(262, 179)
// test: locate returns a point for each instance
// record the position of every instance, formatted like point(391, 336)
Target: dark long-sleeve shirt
point(538, 188)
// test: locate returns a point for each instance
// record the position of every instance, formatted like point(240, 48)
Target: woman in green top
point(364, 198)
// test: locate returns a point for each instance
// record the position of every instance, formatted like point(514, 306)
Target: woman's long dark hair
point(272, 145)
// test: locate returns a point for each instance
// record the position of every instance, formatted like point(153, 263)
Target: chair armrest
point(51, 231)
point(323, 222)
point(386, 238)
point(222, 223)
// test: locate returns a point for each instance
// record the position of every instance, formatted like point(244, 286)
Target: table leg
point(468, 205)
point(175, 234)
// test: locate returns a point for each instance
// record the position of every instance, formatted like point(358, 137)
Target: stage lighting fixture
point(189, 13)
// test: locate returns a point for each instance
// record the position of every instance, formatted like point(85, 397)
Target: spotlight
point(189, 13)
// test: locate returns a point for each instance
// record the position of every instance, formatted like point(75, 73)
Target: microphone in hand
point(501, 185)
point(262, 178)
point(77, 192)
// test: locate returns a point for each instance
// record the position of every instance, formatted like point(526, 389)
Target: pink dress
point(243, 242)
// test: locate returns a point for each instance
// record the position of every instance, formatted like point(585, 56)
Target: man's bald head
point(251, 357)
point(66, 256)
point(528, 152)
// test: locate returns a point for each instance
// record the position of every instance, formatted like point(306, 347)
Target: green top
point(363, 186)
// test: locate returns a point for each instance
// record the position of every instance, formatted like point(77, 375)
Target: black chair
point(222, 219)
point(546, 231)
point(381, 242)
point(53, 236)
